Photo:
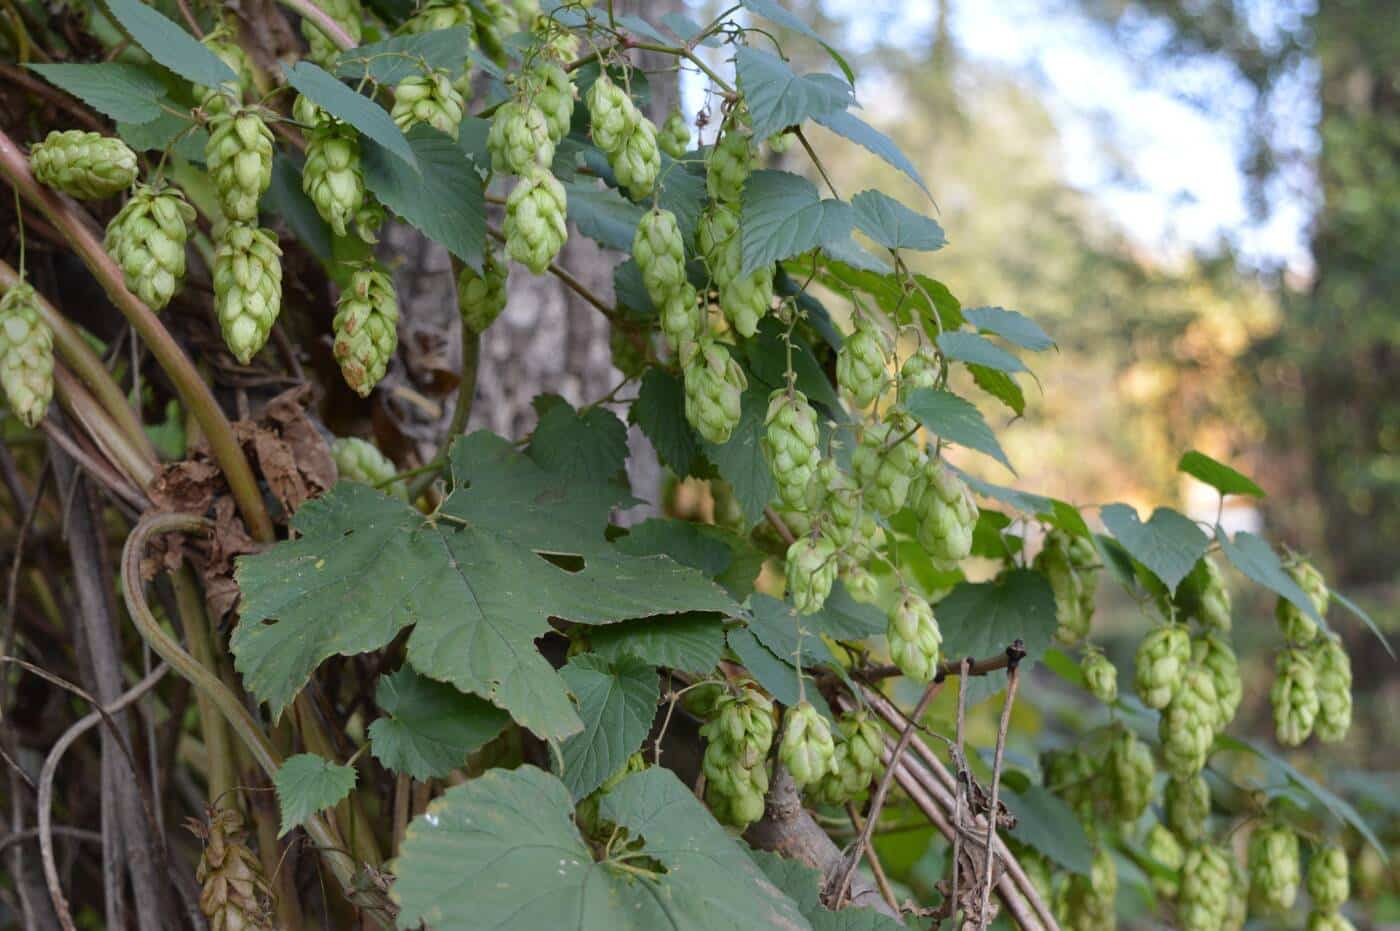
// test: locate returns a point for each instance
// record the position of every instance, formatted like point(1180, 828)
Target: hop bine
point(147, 239)
point(26, 355)
point(85, 165)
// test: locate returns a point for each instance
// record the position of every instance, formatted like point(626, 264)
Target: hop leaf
point(366, 328)
point(26, 355)
point(1274, 872)
point(914, 638)
point(860, 364)
point(147, 239)
point(1333, 668)
point(1294, 697)
point(535, 228)
point(714, 385)
point(428, 98)
point(807, 749)
point(811, 570)
point(674, 137)
point(519, 138)
point(629, 352)
point(1161, 659)
point(86, 165)
point(247, 287)
point(239, 158)
point(1101, 676)
point(482, 297)
point(790, 444)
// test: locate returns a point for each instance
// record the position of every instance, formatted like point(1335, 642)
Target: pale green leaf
point(394, 59)
point(778, 98)
point(1050, 826)
point(999, 385)
point(1168, 544)
point(849, 126)
point(170, 45)
point(1218, 475)
point(895, 226)
point(776, 675)
point(955, 420)
point(617, 701)
point(306, 784)
point(962, 346)
point(602, 214)
point(165, 131)
point(1009, 325)
point(429, 727)
point(1258, 561)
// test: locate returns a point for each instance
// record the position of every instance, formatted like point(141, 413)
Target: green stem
point(103, 431)
point(466, 394)
point(194, 622)
point(194, 393)
point(307, 9)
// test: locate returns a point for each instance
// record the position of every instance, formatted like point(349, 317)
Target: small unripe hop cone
point(807, 748)
point(247, 287)
point(482, 297)
point(366, 328)
point(26, 355)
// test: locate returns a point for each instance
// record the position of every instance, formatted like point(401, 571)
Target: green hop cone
point(1294, 697)
point(1163, 847)
point(745, 300)
point(1213, 652)
point(728, 166)
point(428, 98)
point(742, 804)
point(1237, 905)
point(1067, 562)
point(790, 444)
point(1186, 730)
point(1333, 668)
point(947, 512)
point(1129, 770)
point(1274, 871)
point(1329, 878)
point(332, 177)
point(682, 319)
point(89, 166)
point(885, 471)
point(1204, 596)
point(1203, 898)
point(26, 355)
point(1069, 774)
point(807, 748)
point(717, 238)
point(247, 287)
point(920, 370)
point(481, 297)
point(781, 143)
point(1100, 675)
point(221, 40)
point(348, 15)
point(1161, 659)
point(612, 114)
point(860, 364)
point(714, 388)
point(519, 138)
point(535, 226)
point(147, 239)
point(860, 582)
point(914, 637)
point(239, 158)
point(547, 86)
point(1087, 903)
point(674, 137)
point(745, 720)
point(1328, 921)
point(637, 163)
point(1297, 626)
point(864, 742)
point(368, 220)
point(358, 460)
point(1186, 804)
point(366, 328)
point(811, 570)
point(833, 788)
point(659, 252)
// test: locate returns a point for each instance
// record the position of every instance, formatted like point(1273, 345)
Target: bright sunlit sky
point(1166, 168)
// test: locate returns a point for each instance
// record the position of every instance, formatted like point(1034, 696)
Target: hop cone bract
point(611, 113)
point(946, 509)
point(233, 894)
point(358, 460)
point(1067, 562)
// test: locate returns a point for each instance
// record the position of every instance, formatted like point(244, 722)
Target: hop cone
point(835, 495)
point(332, 177)
point(714, 387)
point(85, 165)
point(1333, 668)
point(637, 163)
point(682, 319)
point(790, 444)
point(1186, 803)
point(746, 299)
point(811, 570)
point(914, 638)
point(535, 227)
point(1130, 771)
point(26, 355)
point(1187, 726)
point(807, 749)
point(359, 461)
point(717, 238)
point(1069, 774)
point(1295, 697)
point(947, 512)
point(1237, 905)
point(1100, 675)
point(781, 143)
point(745, 721)
point(860, 364)
point(1161, 659)
point(833, 788)
point(147, 239)
point(1328, 921)
point(1067, 562)
point(366, 328)
point(1163, 847)
point(482, 297)
point(884, 471)
point(740, 801)
point(1202, 595)
point(519, 138)
point(659, 252)
point(674, 137)
point(428, 98)
point(239, 158)
point(368, 220)
point(728, 167)
point(233, 894)
point(860, 583)
point(920, 370)
point(247, 287)
point(1297, 627)
point(1329, 878)
point(611, 114)
point(348, 15)
point(1087, 904)
point(1274, 872)
point(548, 87)
point(864, 742)
point(438, 14)
point(1213, 652)
point(1206, 888)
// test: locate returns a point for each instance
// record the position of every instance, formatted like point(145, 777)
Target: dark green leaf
point(394, 59)
point(771, 10)
point(779, 678)
point(741, 461)
point(685, 542)
point(125, 92)
point(982, 619)
point(955, 420)
point(687, 642)
point(849, 126)
point(767, 356)
point(638, 26)
point(1168, 544)
point(590, 445)
point(1258, 561)
point(988, 540)
point(168, 44)
point(1010, 326)
point(844, 618)
point(855, 255)
point(1050, 826)
point(429, 727)
point(1026, 501)
point(1000, 386)
point(307, 783)
point(631, 291)
point(803, 885)
point(163, 131)
point(602, 214)
point(617, 701)
point(660, 411)
point(359, 111)
point(783, 215)
point(1217, 475)
point(681, 190)
point(444, 198)
point(961, 346)
point(776, 97)
point(792, 637)
point(286, 199)
point(895, 226)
